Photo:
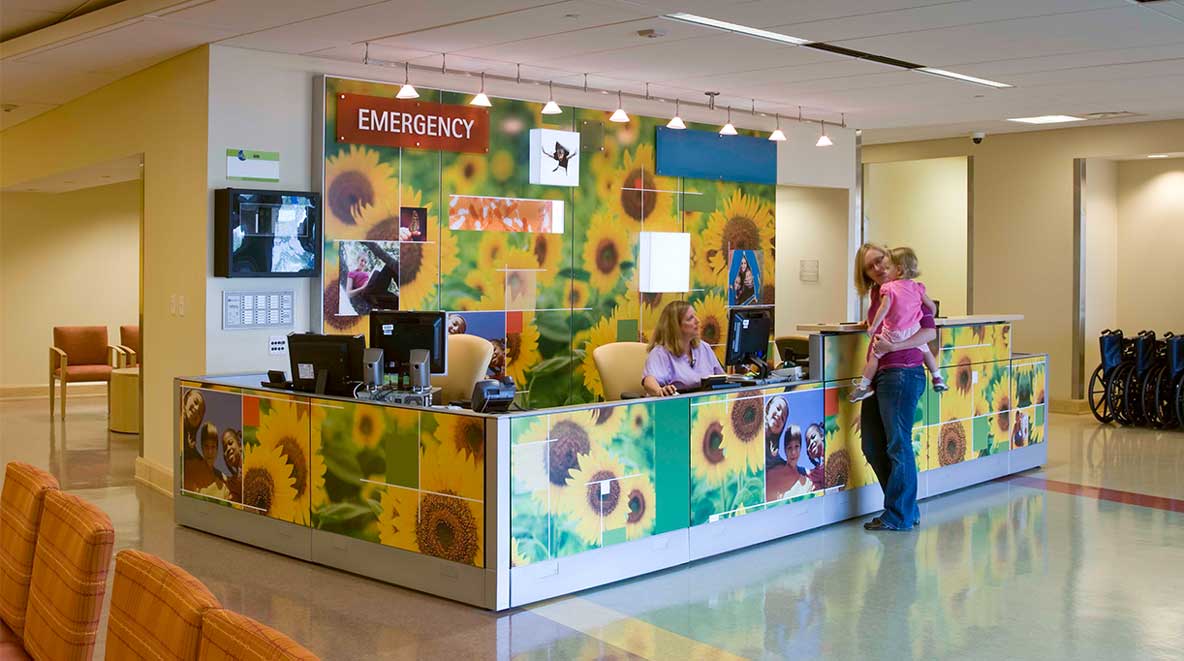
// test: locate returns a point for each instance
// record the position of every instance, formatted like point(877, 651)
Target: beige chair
point(620, 365)
point(468, 361)
point(79, 353)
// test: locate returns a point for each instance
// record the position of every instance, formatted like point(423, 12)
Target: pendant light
point(481, 99)
point(777, 135)
point(619, 116)
point(676, 121)
point(823, 140)
point(551, 108)
point(407, 91)
point(728, 129)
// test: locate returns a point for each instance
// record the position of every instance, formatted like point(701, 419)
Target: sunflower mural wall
point(551, 298)
point(1028, 398)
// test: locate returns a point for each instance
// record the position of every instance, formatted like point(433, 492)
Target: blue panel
point(708, 155)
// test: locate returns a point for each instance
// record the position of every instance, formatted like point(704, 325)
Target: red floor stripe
point(1100, 493)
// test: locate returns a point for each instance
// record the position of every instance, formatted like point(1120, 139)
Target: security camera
point(978, 136)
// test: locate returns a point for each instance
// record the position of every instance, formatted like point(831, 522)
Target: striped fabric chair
point(156, 609)
point(69, 578)
point(227, 635)
point(21, 504)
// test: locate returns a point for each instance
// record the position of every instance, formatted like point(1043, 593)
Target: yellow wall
point(1023, 221)
point(922, 205)
point(811, 225)
point(160, 112)
point(67, 259)
point(1101, 254)
point(1151, 245)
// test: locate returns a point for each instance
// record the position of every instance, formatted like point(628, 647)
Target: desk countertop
point(943, 321)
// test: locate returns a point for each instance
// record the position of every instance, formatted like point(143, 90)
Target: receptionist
point(678, 359)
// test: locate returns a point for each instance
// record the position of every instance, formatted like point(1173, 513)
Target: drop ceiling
point(1062, 56)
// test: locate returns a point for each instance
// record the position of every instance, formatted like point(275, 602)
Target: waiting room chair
point(79, 353)
point(21, 505)
point(468, 362)
point(129, 345)
point(227, 635)
point(621, 365)
point(156, 609)
point(69, 579)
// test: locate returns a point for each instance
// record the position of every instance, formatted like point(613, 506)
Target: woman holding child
point(891, 392)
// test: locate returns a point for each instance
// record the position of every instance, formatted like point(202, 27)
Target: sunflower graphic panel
point(1028, 387)
point(844, 355)
point(365, 450)
point(743, 219)
point(581, 480)
point(993, 409)
point(211, 443)
point(277, 425)
point(452, 488)
point(719, 457)
point(845, 464)
point(978, 343)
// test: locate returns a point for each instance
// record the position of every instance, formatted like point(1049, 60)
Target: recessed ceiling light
point(703, 21)
point(1157, 155)
point(1046, 119)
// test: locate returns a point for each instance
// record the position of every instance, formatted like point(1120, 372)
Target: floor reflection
point(999, 570)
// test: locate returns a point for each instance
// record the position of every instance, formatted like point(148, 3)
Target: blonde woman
point(678, 359)
point(886, 417)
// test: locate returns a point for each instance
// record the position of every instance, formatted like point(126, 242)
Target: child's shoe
point(939, 384)
point(861, 393)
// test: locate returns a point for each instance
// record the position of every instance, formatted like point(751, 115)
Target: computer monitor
point(326, 364)
point(749, 328)
point(398, 332)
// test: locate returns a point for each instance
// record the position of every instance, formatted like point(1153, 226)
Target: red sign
point(377, 120)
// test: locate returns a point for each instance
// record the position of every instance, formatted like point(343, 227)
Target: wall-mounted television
point(266, 233)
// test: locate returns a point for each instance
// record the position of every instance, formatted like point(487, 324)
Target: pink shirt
point(904, 357)
point(906, 304)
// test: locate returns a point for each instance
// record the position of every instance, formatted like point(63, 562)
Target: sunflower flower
point(462, 433)
point(641, 500)
point(522, 349)
point(358, 190)
point(284, 428)
point(746, 419)
point(710, 443)
point(951, 447)
point(446, 469)
point(596, 500)
point(713, 322)
point(268, 487)
point(549, 255)
point(604, 332)
point(466, 175)
point(491, 252)
point(745, 223)
point(517, 558)
point(607, 248)
point(419, 276)
point(396, 522)
point(634, 197)
point(578, 295)
point(369, 425)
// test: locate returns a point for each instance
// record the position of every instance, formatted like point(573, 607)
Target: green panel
point(628, 330)
point(982, 433)
point(701, 202)
point(591, 135)
point(672, 467)
point(402, 453)
point(1040, 416)
point(615, 536)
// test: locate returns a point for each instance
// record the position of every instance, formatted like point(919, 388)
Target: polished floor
point(1083, 559)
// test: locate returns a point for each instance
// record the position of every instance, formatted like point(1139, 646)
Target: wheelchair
point(1113, 348)
point(1140, 381)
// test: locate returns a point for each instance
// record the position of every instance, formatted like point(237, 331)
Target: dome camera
point(977, 137)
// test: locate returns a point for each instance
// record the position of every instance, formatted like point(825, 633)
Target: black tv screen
point(263, 233)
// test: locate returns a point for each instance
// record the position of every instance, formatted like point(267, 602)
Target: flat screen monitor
point(263, 233)
point(326, 364)
point(398, 332)
point(749, 328)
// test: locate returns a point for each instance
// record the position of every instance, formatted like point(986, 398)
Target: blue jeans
point(887, 425)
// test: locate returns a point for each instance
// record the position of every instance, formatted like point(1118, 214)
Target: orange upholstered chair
point(21, 504)
point(228, 635)
point(129, 345)
point(156, 609)
point(79, 353)
point(69, 578)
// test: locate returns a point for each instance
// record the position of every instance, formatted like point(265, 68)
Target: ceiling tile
point(244, 17)
point(144, 41)
point(25, 82)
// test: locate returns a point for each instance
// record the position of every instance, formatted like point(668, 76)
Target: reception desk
point(503, 510)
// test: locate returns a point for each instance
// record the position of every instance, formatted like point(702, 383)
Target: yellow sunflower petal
point(267, 483)
point(356, 182)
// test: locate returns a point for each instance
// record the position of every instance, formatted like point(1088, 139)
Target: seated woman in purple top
point(678, 359)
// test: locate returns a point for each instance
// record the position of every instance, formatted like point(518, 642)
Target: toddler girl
point(899, 318)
